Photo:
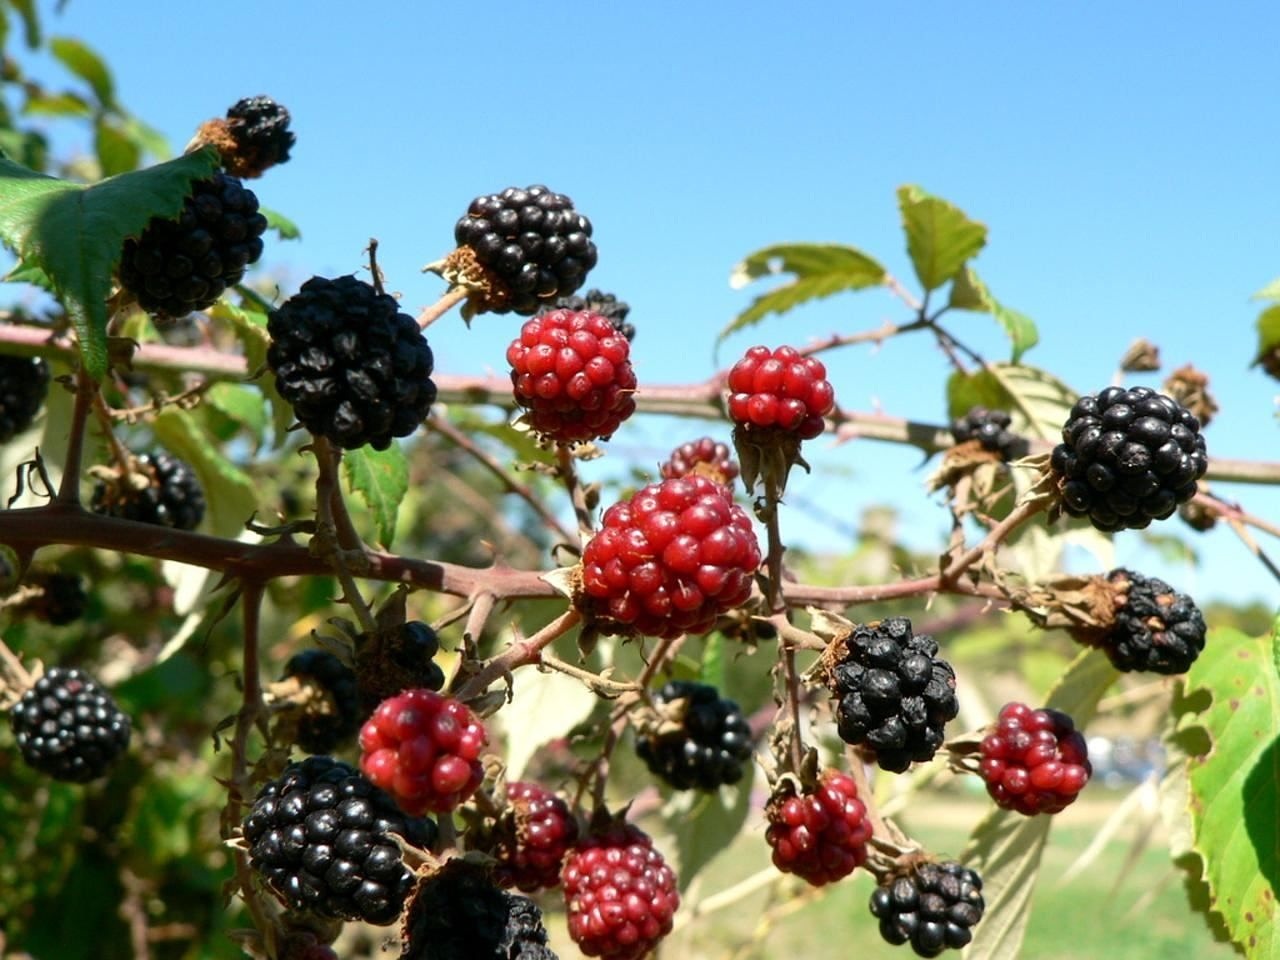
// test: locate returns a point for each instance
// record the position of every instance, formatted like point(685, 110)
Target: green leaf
point(281, 224)
point(1270, 292)
point(381, 477)
point(711, 670)
point(116, 152)
point(940, 237)
point(1235, 784)
point(30, 21)
point(1038, 402)
point(1268, 331)
point(242, 404)
point(968, 292)
point(57, 105)
point(148, 138)
point(704, 824)
point(231, 494)
point(820, 269)
point(543, 706)
point(77, 57)
point(1006, 847)
point(74, 233)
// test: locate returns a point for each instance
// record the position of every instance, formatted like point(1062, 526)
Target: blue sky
point(1122, 155)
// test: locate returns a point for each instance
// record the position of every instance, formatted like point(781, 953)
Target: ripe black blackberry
point(338, 719)
point(69, 727)
point(24, 383)
point(353, 367)
point(605, 304)
point(709, 748)
point(61, 599)
point(458, 914)
point(259, 130)
point(172, 496)
point(1128, 457)
point(1155, 629)
point(991, 429)
point(401, 658)
point(532, 242)
point(934, 906)
point(319, 835)
point(895, 694)
point(183, 264)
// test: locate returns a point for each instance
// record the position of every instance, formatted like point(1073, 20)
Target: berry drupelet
point(170, 495)
point(1034, 761)
point(819, 835)
point(932, 906)
point(711, 745)
point(68, 727)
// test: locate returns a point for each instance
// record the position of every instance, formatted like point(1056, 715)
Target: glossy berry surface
point(711, 746)
point(1034, 761)
point(934, 907)
point(1155, 629)
point(991, 429)
point(24, 384)
point(169, 496)
point(670, 559)
point(337, 719)
point(68, 727)
point(571, 372)
point(259, 128)
point(704, 456)
point(423, 749)
point(620, 894)
point(819, 836)
point(533, 836)
point(605, 304)
point(779, 389)
point(1128, 457)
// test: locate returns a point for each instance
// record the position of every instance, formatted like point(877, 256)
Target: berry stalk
point(450, 299)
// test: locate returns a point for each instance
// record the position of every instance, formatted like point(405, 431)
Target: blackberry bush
point(68, 727)
point(711, 742)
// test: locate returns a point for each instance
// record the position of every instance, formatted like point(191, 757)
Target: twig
point(103, 413)
point(568, 474)
point(69, 487)
point(518, 654)
point(452, 297)
point(1247, 539)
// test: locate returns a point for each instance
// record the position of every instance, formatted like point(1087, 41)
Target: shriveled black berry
point(991, 429)
point(1156, 628)
point(259, 127)
point(533, 241)
point(605, 304)
point(61, 600)
point(69, 727)
point(933, 906)
point(396, 660)
point(24, 383)
point(459, 914)
point(172, 496)
point(320, 837)
point(1128, 457)
point(353, 367)
point(319, 731)
point(183, 264)
point(895, 694)
point(712, 745)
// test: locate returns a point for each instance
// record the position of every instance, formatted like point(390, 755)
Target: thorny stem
point(518, 654)
point(772, 500)
point(481, 607)
point(452, 297)
point(1231, 511)
point(331, 512)
point(69, 487)
point(328, 458)
point(995, 536)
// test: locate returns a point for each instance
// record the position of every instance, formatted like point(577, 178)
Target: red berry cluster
point(542, 831)
point(820, 836)
point(702, 456)
point(1034, 761)
point(620, 894)
point(423, 749)
point(571, 371)
point(780, 389)
point(671, 559)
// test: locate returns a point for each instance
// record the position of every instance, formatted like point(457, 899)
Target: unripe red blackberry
point(780, 390)
point(991, 429)
point(1034, 761)
point(1155, 628)
point(69, 727)
point(820, 836)
point(321, 730)
point(703, 456)
point(571, 371)
point(669, 560)
point(620, 894)
point(933, 906)
point(532, 837)
point(605, 304)
point(320, 835)
point(171, 497)
point(353, 367)
point(24, 384)
point(1128, 457)
point(532, 242)
point(259, 130)
point(711, 745)
point(424, 750)
point(895, 694)
point(184, 264)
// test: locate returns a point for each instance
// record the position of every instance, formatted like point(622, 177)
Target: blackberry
point(69, 727)
point(711, 744)
point(991, 429)
point(320, 835)
point(183, 264)
point(780, 390)
point(259, 131)
point(934, 906)
point(895, 694)
point(61, 600)
point(532, 242)
point(605, 304)
point(1155, 628)
point(821, 833)
point(338, 716)
point(398, 659)
point(1128, 457)
point(172, 496)
point(24, 383)
point(458, 914)
point(705, 456)
point(353, 367)
point(530, 838)
point(1034, 761)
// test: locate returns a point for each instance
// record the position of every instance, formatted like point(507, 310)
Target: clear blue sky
point(1122, 155)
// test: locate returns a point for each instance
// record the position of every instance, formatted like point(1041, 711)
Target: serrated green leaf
point(244, 405)
point(820, 269)
point(968, 292)
point(1268, 330)
point(116, 152)
point(74, 233)
point(1038, 402)
point(1235, 786)
point(381, 477)
point(77, 57)
point(940, 236)
point(704, 824)
point(231, 494)
point(286, 228)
